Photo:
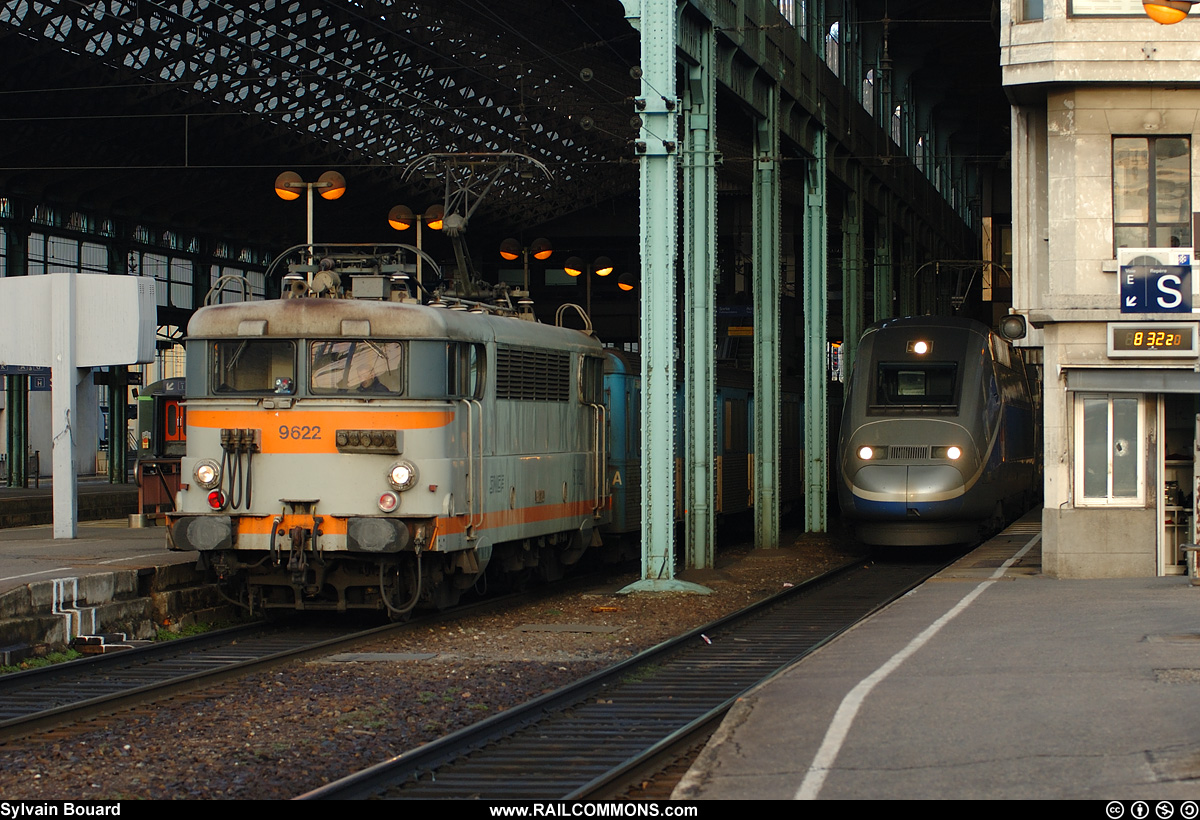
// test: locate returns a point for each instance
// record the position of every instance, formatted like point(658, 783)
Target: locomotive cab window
point(253, 366)
point(464, 370)
point(356, 367)
point(924, 384)
point(591, 380)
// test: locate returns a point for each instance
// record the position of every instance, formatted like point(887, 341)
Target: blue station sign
point(1156, 289)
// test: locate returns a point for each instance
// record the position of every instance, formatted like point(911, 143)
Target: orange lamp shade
point(541, 248)
point(400, 217)
point(573, 266)
point(434, 217)
point(1167, 12)
point(288, 185)
point(331, 185)
point(510, 250)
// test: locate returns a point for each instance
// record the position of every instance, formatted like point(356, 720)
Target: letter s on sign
point(1172, 296)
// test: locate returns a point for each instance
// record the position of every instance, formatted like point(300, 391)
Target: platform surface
point(987, 682)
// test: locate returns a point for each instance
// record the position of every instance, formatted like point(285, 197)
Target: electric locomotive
point(938, 434)
point(379, 453)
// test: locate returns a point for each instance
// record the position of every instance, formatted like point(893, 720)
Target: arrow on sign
point(1130, 301)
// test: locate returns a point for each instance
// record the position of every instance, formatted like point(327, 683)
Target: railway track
point(52, 696)
point(590, 739)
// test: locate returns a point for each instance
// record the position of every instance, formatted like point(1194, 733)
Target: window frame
point(355, 368)
point(1138, 455)
point(217, 355)
point(1152, 225)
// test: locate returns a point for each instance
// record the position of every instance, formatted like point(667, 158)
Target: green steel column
point(884, 280)
point(816, 402)
point(9, 431)
point(852, 276)
point(699, 273)
point(17, 430)
point(118, 380)
point(765, 195)
point(16, 427)
point(658, 150)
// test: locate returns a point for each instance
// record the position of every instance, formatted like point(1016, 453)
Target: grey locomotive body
point(344, 453)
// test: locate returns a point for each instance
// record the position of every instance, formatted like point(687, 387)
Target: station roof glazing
point(184, 111)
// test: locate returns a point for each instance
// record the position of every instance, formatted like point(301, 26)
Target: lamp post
point(402, 218)
point(1167, 12)
point(511, 250)
point(331, 185)
point(602, 266)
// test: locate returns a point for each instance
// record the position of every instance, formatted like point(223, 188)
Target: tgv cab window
point(360, 367)
point(912, 384)
point(253, 366)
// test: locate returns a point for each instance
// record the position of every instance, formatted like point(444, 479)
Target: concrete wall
point(1075, 84)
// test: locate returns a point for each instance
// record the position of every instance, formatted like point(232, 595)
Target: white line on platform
point(839, 727)
point(158, 554)
point(31, 574)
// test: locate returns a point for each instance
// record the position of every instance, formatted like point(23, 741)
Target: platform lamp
point(331, 185)
point(511, 250)
point(1167, 12)
point(402, 218)
point(601, 266)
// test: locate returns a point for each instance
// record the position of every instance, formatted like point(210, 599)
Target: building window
point(1152, 201)
point(1031, 10)
point(1108, 450)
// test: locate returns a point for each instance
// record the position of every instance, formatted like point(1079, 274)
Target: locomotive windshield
point(911, 384)
point(355, 367)
point(253, 366)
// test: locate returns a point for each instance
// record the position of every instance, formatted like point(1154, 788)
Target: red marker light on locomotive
point(216, 499)
point(388, 502)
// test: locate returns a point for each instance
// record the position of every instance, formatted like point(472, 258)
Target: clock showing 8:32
point(1149, 339)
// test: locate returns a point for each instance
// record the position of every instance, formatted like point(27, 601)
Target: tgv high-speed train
point(938, 440)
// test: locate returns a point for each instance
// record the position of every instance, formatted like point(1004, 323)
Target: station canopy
point(184, 111)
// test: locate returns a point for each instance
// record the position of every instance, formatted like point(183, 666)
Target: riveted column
point(658, 151)
point(884, 279)
point(852, 273)
point(765, 195)
point(699, 273)
point(816, 401)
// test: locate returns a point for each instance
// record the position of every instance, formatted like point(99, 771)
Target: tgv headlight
point(207, 473)
point(402, 475)
point(866, 453)
point(951, 452)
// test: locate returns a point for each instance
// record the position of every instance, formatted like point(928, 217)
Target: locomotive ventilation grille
point(532, 375)
point(907, 451)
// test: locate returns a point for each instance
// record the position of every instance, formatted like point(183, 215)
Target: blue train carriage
point(352, 454)
point(938, 441)
point(733, 420)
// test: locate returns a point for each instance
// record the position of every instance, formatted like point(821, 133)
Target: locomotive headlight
point(402, 475)
point(953, 453)
point(866, 453)
point(207, 473)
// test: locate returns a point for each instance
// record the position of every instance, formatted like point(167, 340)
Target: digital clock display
point(1152, 339)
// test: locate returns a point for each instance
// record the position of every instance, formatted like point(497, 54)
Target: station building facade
point(1105, 157)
